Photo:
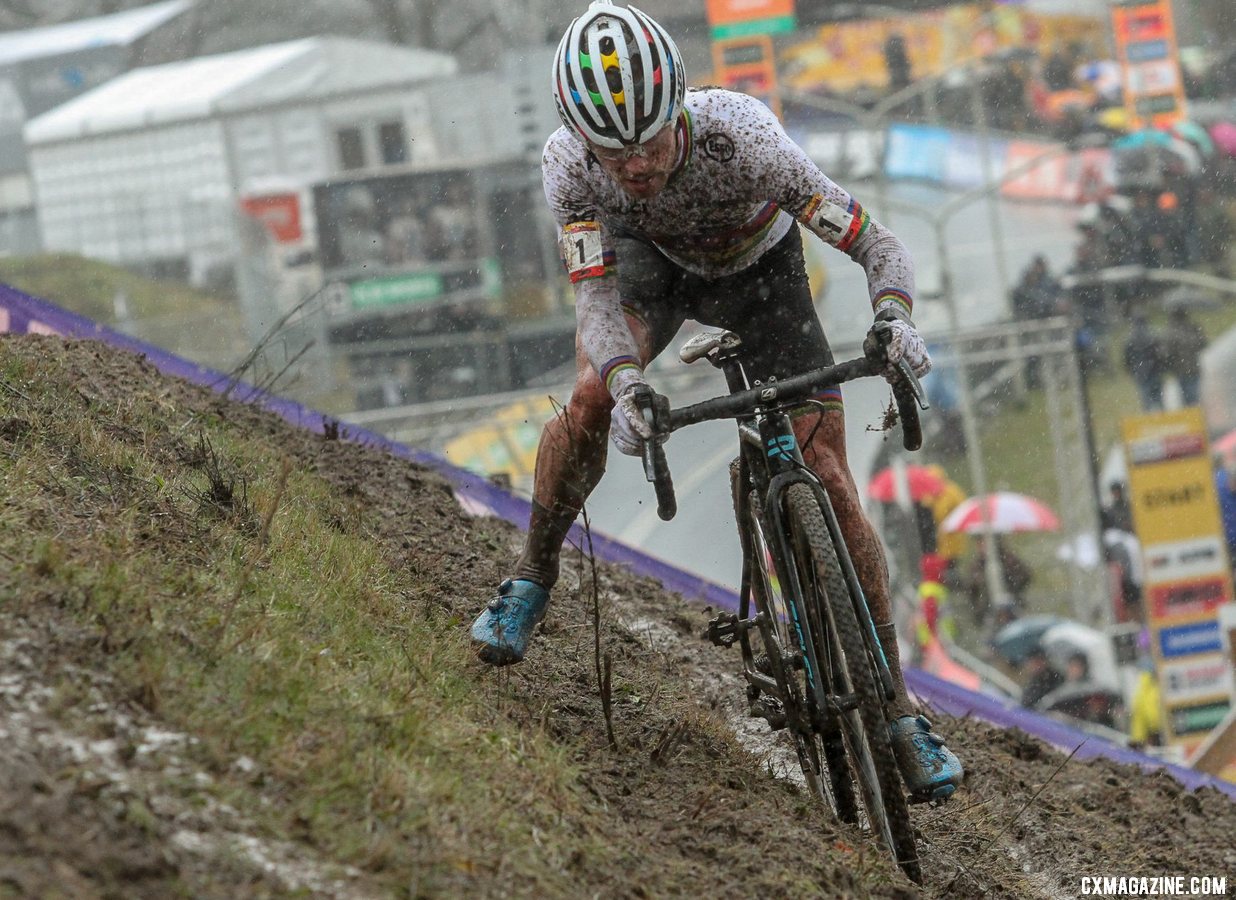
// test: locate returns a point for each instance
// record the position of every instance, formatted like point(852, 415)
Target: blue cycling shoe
point(502, 631)
point(930, 770)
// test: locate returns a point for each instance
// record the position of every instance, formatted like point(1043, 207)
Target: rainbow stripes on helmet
point(618, 77)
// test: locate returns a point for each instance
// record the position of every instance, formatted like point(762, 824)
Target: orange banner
point(722, 12)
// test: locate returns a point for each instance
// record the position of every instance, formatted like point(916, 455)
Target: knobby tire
point(843, 658)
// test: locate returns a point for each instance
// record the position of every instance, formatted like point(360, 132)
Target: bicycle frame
point(773, 460)
point(837, 707)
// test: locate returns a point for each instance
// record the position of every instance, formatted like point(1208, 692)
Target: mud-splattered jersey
point(739, 185)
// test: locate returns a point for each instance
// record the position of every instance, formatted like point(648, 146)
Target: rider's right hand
point(627, 428)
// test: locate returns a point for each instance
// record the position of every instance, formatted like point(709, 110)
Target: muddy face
point(644, 170)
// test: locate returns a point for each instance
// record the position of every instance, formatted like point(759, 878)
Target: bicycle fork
point(786, 464)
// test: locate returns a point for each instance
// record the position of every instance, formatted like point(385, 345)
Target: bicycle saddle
point(706, 343)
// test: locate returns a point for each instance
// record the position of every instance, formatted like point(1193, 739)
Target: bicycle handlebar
point(907, 392)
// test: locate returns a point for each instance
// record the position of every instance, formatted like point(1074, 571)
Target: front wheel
point(849, 678)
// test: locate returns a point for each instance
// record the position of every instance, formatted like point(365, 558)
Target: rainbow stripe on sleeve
point(616, 365)
point(859, 222)
point(892, 295)
point(827, 400)
point(608, 260)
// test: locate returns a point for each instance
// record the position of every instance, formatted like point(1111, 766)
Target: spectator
point(974, 584)
point(1145, 360)
point(1077, 669)
point(1037, 294)
point(1118, 513)
point(1015, 573)
point(1183, 343)
point(1041, 678)
point(1145, 715)
point(1058, 70)
point(1123, 554)
point(1173, 226)
point(1089, 702)
point(1149, 228)
point(1087, 300)
point(935, 621)
point(897, 61)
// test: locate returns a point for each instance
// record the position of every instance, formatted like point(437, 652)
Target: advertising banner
point(279, 213)
point(1188, 581)
point(744, 18)
point(851, 56)
point(748, 65)
point(1145, 38)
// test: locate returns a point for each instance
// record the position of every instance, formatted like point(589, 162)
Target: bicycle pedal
point(727, 628)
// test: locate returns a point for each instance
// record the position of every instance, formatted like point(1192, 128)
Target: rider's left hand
point(906, 343)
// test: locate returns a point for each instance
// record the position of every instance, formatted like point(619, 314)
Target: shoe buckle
point(496, 604)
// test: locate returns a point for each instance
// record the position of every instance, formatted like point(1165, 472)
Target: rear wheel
point(849, 676)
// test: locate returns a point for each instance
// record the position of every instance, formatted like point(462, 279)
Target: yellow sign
point(1187, 575)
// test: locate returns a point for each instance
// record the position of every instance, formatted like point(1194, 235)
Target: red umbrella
point(925, 483)
point(1001, 513)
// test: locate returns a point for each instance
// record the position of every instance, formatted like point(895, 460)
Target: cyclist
point(677, 204)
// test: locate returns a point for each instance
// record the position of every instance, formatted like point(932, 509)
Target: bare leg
point(570, 460)
point(826, 455)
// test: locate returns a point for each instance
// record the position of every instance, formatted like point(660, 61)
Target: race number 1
point(581, 250)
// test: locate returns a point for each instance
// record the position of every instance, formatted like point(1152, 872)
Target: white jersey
point(737, 188)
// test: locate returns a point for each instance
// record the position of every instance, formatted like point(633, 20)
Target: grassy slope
point(202, 326)
point(254, 587)
point(88, 287)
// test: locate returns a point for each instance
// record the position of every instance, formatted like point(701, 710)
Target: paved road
point(702, 537)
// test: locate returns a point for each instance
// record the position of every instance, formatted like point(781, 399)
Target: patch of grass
point(196, 324)
point(295, 648)
point(89, 287)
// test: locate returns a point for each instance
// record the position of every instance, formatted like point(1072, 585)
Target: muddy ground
point(98, 799)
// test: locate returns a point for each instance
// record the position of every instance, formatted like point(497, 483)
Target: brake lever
point(916, 386)
point(655, 409)
point(877, 351)
point(907, 390)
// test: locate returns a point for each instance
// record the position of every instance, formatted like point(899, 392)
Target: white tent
point(296, 72)
point(148, 168)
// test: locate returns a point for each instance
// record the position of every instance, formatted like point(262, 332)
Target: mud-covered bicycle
point(812, 660)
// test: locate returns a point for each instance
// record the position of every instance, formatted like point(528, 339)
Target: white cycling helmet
point(618, 76)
